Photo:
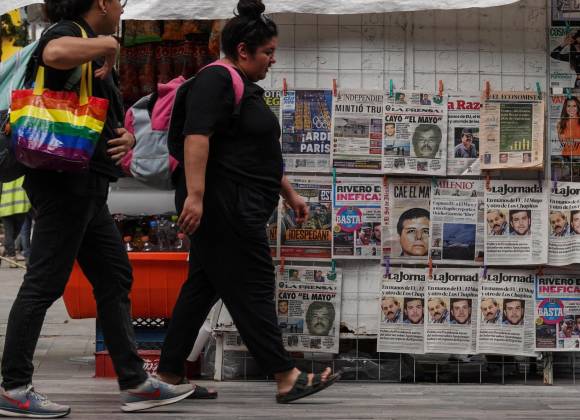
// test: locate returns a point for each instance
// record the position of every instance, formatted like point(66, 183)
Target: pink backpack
point(153, 119)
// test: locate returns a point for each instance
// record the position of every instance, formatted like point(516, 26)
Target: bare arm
point(69, 52)
point(196, 152)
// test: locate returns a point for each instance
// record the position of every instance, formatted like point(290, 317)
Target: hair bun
point(250, 8)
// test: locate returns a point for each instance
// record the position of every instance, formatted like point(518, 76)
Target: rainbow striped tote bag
point(57, 130)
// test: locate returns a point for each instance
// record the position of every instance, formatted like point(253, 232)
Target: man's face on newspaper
point(520, 222)
point(390, 308)
point(461, 311)
point(283, 307)
point(426, 143)
point(320, 324)
point(390, 129)
point(495, 222)
point(415, 237)
point(514, 312)
point(558, 222)
point(576, 222)
point(489, 309)
point(436, 308)
point(414, 311)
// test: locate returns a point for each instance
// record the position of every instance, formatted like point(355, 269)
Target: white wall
point(505, 45)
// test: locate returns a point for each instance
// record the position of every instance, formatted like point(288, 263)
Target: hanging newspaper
point(401, 314)
point(272, 98)
point(451, 296)
point(463, 135)
point(516, 231)
point(565, 11)
point(506, 312)
point(313, 237)
point(558, 312)
point(415, 126)
point(308, 306)
point(360, 297)
point(564, 134)
point(358, 131)
point(457, 229)
point(357, 218)
point(565, 56)
point(564, 239)
point(306, 128)
point(406, 219)
point(512, 131)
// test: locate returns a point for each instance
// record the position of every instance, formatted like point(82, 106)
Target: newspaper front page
point(357, 228)
point(516, 230)
point(463, 135)
point(308, 303)
point(406, 219)
point(512, 131)
point(457, 229)
point(306, 130)
point(564, 124)
point(273, 97)
point(506, 312)
point(564, 56)
point(358, 131)
point(565, 11)
point(558, 312)
point(312, 238)
point(564, 220)
point(415, 140)
point(451, 295)
point(401, 312)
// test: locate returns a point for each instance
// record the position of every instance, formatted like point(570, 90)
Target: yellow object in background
point(8, 47)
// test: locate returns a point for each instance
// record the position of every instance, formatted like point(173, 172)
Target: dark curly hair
point(57, 10)
point(249, 26)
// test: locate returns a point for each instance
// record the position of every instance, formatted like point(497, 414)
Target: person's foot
point(153, 393)
point(286, 380)
point(199, 392)
point(26, 402)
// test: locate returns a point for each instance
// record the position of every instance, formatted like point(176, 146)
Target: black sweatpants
point(229, 259)
point(70, 226)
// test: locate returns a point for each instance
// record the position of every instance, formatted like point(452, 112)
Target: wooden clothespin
point(284, 87)
point(440, 90)
point(430, 268)
point(282, 264)
point(334, 88)
point(540, 271)
point(487, 181)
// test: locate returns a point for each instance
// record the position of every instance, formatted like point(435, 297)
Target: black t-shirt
point(244, 146)
point(59, 80)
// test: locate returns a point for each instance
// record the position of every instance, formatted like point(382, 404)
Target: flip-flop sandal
point(200, 392)
point(302, 389)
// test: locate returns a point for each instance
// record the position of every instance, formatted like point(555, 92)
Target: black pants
point(70, 226)
point(12, 225)
point(229, 259)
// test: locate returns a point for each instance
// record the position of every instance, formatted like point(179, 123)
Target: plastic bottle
point(154, 237)
point(165, 236)
point(127, 241)
point(147, 246)
point(182, 242)
point(137, 240)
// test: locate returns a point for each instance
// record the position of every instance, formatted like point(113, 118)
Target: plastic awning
point(222, 9)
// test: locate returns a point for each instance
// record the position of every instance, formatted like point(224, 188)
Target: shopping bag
point(57, 130)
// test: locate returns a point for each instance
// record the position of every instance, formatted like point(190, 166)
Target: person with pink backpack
point(230, 182)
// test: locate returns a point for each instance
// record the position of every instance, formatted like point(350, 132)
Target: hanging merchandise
point(401, 313)
point(456, 224)
point(357, 140)
point(463, 144)
point(564, 224)
point(506, 312)
point(564, 132)
point(306, 129)
point(516, 215)
point(415, 139)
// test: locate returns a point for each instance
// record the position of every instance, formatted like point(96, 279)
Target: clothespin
point(387, 265)
point(430, 268)
point(333, 187)
point(391, 94)
point(540, 271)
point(484, 272)
point(540, 179)
point(487, 181)
point(568, 92)
point(334, 89)
point(487, 90)
point(433, 183)
point(539, 90)
point(332, 273)
point(555, 183)
point(568, 28)
point(284, 87)
point(282, 264)
point(440, 88)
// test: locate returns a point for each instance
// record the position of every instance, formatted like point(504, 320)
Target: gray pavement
point(65, 369)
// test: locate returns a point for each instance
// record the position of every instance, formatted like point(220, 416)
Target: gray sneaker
point(153, 393)
point(26, 402)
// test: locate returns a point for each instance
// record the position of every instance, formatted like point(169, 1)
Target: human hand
point(119, 146)
point(301, 209)
point(190, 216)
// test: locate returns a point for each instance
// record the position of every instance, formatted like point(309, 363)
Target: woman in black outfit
point(233, 179)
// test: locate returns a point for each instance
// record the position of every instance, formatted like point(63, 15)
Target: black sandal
point(302, 389)
point(200, 392)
